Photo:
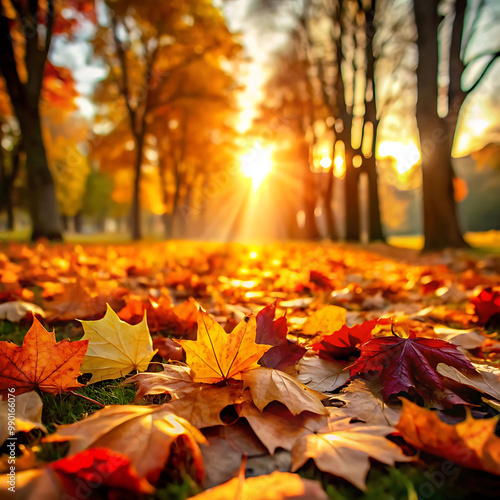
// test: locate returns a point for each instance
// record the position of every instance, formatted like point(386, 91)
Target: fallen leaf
point(32, 484)
point(471, 443)
point(16, 310)
point(144, 434)
point(216, 355)
point(410, 363)
point(28, 414)
point(360, 403)
point(323, 375)
point(327, 320)
point(486, 305)
point(344, 450)
point(468, 339)
point(276, 427)
point(174, 379)
point(78, 477)
point(204, 403)
point(115, 347)
point(273, 332)
point(226, 446)
point(41, 363)
point(267, 385)
point(102, 467)
point(347, 340)
point(275, 486)
point(485, 380)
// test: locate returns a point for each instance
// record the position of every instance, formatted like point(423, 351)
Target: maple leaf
point(486, 305)
point(273, 331)
point(81, 473)
point(344, 449)
point(361, 403)
point(486, 379)
point(99, 466)
point(347, 340)
point(274, 486)
point(216, 355)
point(198, 403)
point(410, 363)
point(325, 321)
point(267, 385)
point(324, 375)
point(144, 434)
point(41, 363)
point(471, 443)
point(28, 415)
point(115, 347)
point(276, 426)
point(160, 316)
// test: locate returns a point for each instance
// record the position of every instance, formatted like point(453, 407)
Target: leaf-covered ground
point(315, 370)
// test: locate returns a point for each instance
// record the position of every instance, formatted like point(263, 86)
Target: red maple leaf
point(273, 332)
point(347, 340)
point(487, 306)
point(99, 467)
point(406, 364)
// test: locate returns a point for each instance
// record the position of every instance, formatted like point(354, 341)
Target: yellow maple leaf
point(216, 355)
point(115, 347)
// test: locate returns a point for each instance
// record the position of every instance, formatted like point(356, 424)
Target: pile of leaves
point(282, 371)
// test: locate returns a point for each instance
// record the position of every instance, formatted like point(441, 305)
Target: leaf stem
point(93, 401)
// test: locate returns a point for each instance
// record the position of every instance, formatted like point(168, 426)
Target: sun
point(257, 164)
point(405, 155)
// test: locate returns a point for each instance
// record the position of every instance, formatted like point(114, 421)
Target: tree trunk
point(310, 230)
point(351, 193)
point(456, 95)
point(25, 98)
point(370, 164)
point(45, 217)
point(441, 227)
point(331, 230)
point(135, 214)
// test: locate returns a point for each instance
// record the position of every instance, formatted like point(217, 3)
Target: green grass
point(67, 408)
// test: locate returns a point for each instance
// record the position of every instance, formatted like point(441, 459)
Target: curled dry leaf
point(485, 380)
point(276, 427)
point(41, 363)
point(471, 443)
point(363, 403)
point(144, 434)
point(267, 385)
point(16, 310)
point(275, 486)
point(320, 374)
point(28, 414)
point(216, 355)
point(115, 347)
point(344, 450)
point(201, 404)
point(468, 339)
point(174, 379)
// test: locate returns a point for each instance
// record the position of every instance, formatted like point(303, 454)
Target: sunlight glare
point(257, 164)
point(405, 155)
point(325, 162)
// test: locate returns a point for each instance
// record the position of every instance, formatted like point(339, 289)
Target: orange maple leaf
point(471, 443)
point(41, 363)
point(216, 355)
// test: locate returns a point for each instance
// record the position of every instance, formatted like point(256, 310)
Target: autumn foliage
point(239, 357)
